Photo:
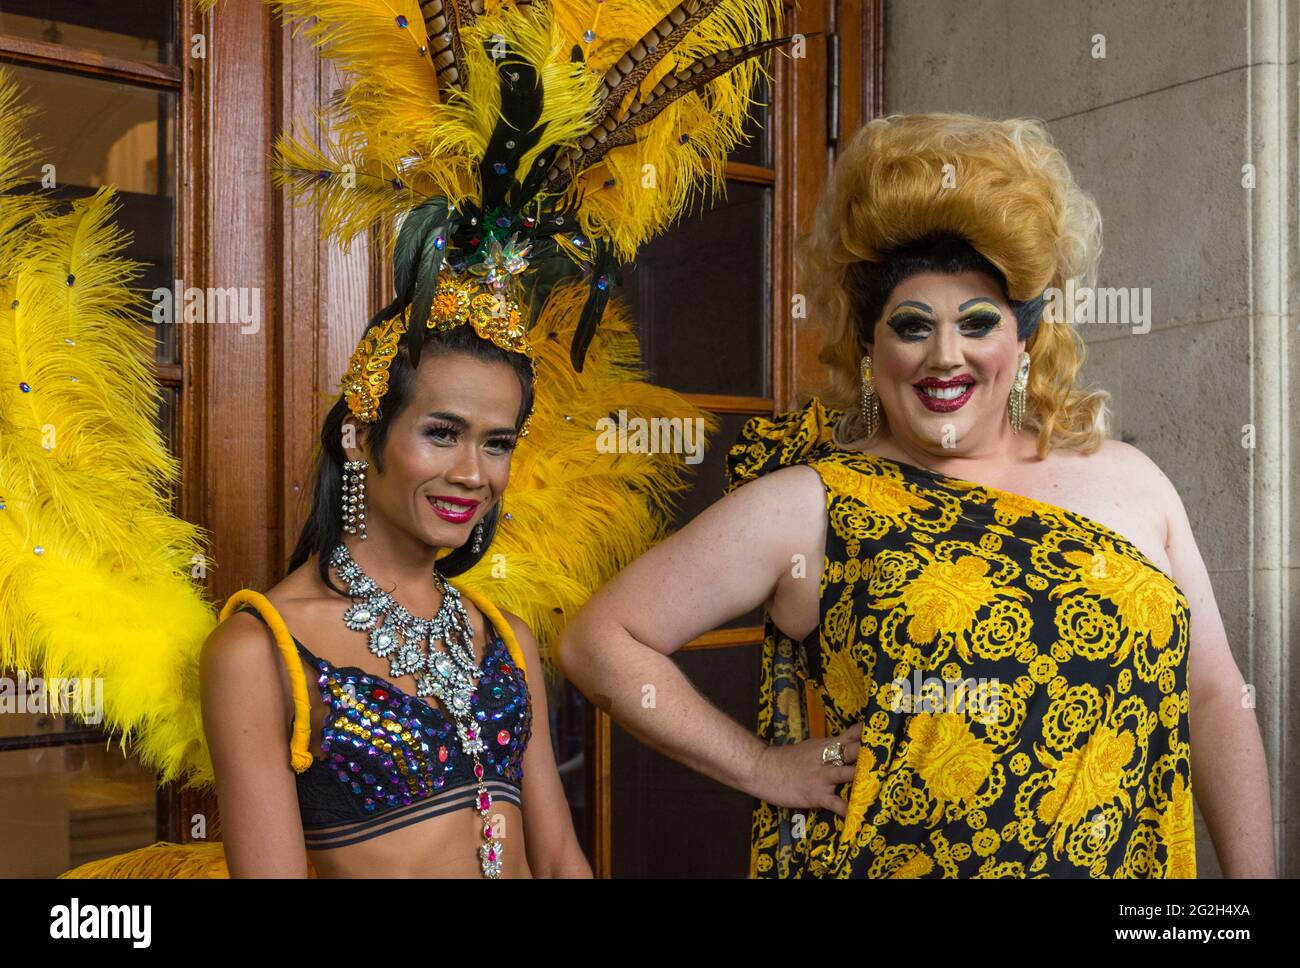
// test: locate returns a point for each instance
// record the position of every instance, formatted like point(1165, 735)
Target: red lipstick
point(948, 402)
point(460, 511)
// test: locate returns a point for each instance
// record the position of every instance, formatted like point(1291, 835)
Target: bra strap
point(493, 615)
point(299, 752)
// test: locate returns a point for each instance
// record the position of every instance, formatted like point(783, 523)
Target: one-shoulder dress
point(1020, 671)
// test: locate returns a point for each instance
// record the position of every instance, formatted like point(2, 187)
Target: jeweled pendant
point(442, 666)
point(359, 617)
point(490, 858)
point(383, 641)
point(409, 659)
point(459, 705)
point(470, 740)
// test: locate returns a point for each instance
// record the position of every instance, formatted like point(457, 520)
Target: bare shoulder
point(783, 512)
point(522, 632)
point(240, 659)
point(1126, 460)
point(1124, 465)
point(518, 625)
point(798, 488)
point(527, 641)
point(239, 644)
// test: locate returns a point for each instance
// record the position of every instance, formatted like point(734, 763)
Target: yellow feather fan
point(94, 568)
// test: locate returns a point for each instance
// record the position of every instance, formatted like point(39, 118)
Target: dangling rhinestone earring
point(870, 408)
point(477, 546)
point(1018, 392)
point(354, 497)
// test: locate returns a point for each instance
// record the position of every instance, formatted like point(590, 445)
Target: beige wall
point(1158, 130)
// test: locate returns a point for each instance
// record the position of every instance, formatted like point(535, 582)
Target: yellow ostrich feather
point(577, 515)
point(94, 569)
point(202, 861)
point(17, 155)
point(392, 122)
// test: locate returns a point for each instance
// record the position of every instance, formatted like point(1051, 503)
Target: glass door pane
point(143, 30)
point(97, 132)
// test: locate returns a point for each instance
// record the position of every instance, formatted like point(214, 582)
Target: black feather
point(417, 260)
point(521, 108)
point(426, 285)
point(410, 243)
point(601, 272)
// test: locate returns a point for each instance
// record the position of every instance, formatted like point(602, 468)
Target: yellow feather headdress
point(519, 145)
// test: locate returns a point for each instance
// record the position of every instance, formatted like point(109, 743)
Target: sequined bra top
point(392, 760)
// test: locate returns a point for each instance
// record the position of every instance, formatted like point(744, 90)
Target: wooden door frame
point(252, 403)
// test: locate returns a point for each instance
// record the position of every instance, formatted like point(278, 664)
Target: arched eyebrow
point(975, 301)
point(914, 304)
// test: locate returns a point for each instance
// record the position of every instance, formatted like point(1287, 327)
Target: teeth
point(449, 507)
point(945, 393)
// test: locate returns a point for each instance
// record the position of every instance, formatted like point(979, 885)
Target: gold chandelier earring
point(1018, 387)
point(870, 408)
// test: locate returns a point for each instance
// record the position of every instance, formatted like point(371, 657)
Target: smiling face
point(944, 357)
point(447, 457)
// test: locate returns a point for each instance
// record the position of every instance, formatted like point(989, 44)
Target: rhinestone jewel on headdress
point(450, 673)
point(460, 299)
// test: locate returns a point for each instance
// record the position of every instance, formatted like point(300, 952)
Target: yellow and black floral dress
point(1020, 671)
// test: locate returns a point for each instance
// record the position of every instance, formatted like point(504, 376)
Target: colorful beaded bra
point(392, 760)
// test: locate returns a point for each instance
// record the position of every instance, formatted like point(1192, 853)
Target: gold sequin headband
point(458, 300)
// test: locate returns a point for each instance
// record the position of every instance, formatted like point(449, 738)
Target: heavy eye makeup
point(913, 324)
point(447, 434)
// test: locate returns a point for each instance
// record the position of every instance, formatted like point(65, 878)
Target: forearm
point(1230, 783)
point(646, 693)
point(570, 862)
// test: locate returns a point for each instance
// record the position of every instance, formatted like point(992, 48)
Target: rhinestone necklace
point(450, 673)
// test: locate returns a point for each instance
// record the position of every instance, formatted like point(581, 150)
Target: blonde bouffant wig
point(1003, 188)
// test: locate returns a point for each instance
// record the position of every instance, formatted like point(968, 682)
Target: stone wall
point(1158, 127)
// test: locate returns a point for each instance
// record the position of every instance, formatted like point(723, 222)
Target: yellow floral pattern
point(1020, 672)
